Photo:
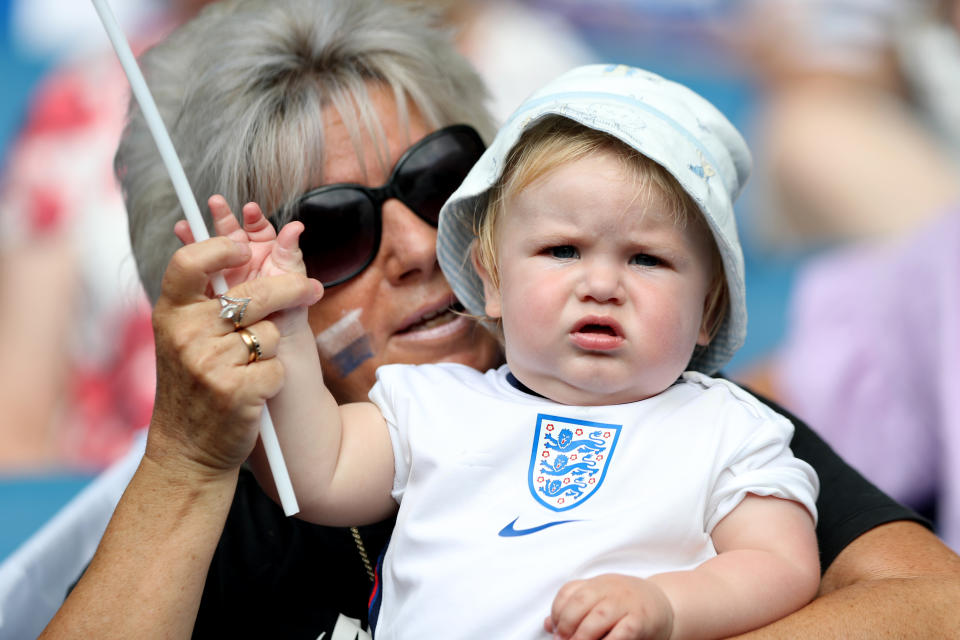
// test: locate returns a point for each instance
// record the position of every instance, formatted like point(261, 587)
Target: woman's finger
point(272, 294)
point(193, 266)
point(255, 342)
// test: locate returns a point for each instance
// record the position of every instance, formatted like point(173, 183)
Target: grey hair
point(242, 88)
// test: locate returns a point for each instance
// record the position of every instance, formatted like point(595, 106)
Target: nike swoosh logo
point(509, 532)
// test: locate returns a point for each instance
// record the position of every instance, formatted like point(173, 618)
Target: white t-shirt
point(505, 496)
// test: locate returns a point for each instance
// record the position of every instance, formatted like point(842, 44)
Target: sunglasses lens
point(430, 175)
point(340, 234)
point(342, 222)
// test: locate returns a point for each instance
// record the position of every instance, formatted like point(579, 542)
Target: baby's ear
point(703, 338)
point(491, 289)
point(715, 306)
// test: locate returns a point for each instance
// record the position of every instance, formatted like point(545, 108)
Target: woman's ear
point(491, 290)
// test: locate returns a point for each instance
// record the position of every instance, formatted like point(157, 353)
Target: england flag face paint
point(345, 343)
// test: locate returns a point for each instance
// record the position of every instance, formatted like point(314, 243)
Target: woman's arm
point(885, 574)
point(147, 576)
point(895, 581)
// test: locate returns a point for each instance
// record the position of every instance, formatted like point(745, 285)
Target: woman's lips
point(434, 321)
point(450, 325)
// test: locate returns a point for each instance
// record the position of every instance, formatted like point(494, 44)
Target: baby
point(600, 482)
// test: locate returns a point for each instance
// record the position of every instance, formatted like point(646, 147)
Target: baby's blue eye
point(565, 252)
point(645, 260)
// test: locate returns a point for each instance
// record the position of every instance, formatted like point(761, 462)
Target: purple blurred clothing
point(872, 362)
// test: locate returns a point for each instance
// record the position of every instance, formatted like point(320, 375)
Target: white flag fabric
point(35, 579)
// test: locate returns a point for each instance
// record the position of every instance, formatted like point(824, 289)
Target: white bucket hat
point(663, 120)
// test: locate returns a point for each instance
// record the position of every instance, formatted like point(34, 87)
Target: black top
point(280, 577)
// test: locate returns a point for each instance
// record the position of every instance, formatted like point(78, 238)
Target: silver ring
point(252, 344)
point(233, 309)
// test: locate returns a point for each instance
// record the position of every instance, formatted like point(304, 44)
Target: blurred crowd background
point(850, 224)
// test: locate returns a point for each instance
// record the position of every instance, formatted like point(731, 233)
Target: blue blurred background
point(19, 72)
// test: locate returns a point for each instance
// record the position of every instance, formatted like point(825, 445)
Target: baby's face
point(601, 293)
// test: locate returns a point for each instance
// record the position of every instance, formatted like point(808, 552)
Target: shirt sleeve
point(763, 465)
point(388, 395)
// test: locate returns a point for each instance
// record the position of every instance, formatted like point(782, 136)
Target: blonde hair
point(554, 141)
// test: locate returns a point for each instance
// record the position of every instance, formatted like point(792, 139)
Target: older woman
point(341, 115)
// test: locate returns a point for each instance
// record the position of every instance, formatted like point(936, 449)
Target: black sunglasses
point(343, 222)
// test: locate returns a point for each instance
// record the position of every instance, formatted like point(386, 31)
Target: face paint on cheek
point(345, 343)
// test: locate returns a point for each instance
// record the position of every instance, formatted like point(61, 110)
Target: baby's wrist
point(670, 626)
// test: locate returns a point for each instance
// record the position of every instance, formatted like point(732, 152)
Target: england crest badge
point(569, 460)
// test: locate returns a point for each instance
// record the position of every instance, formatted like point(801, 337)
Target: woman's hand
point(209, 399)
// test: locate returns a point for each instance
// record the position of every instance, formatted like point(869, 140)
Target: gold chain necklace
point(362, 550)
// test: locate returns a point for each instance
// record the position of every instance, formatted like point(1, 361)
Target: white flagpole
point(268, 435)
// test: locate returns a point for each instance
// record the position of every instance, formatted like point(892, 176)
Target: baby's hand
point(610, 606)
point(271, 254)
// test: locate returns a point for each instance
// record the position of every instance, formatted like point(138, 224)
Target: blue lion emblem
point(561, 466)
point(564, 442)
point(554, 488)
point(569, 461)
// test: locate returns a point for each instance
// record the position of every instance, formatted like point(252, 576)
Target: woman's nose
point(408, 245)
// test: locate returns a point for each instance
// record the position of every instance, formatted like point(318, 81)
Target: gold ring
point(252, 344)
